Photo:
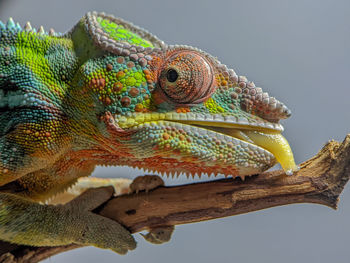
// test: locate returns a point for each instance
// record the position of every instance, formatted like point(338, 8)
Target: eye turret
point(186, 78)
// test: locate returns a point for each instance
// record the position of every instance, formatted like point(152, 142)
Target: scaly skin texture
point(110, 93)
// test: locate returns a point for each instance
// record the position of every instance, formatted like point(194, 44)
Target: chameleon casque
point(110, 93)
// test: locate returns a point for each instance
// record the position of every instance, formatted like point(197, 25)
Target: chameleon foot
point(100, 231)
point(57, 225)
point(159, 235)
point(146, 183)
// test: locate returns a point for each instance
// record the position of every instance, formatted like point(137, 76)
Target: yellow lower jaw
point(276, 144)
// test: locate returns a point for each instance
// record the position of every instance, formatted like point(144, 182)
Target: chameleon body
point(110, 93)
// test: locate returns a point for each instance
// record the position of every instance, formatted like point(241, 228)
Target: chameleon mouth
point(270, 140)
point(258, 133)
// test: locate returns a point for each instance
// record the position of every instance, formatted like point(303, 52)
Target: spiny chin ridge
point(175, 172)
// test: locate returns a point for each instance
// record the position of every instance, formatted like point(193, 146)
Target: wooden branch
point(320, 180)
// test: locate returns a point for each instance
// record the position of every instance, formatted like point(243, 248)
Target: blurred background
point(298, 51)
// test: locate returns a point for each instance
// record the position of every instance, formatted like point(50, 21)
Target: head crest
point(117, 35)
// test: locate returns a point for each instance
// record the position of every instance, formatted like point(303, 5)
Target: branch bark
point(320, 180)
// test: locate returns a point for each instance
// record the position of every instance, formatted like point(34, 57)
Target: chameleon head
point(176, 108)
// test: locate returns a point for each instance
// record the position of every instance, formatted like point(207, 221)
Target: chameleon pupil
point(172, 75)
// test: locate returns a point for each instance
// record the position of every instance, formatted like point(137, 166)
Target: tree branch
point(320, 180)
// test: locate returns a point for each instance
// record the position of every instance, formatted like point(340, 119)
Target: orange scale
point(182, 137)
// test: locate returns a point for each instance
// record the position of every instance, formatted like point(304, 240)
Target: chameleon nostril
point(288, 113)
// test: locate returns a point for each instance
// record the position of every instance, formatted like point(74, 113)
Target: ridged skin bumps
point(110, 93)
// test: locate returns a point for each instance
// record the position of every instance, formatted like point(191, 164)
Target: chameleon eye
point(172, 75)
point(186, 77)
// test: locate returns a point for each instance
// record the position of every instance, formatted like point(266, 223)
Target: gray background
point(298, 51)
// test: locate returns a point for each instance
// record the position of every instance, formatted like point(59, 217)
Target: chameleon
point(108, 92)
